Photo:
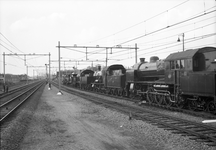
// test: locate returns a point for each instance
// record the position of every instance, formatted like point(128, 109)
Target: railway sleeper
point(189, 127)
point(178, 132)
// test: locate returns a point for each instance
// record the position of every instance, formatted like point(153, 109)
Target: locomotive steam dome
point(154, 59)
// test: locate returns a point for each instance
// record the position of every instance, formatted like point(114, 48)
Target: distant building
point(10, 78)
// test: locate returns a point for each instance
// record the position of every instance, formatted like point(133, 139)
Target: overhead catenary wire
point(170, 37)
point(11, 43)
point(153, 41)
point(161, 29)
point(177, 50)
point(15, 54)
point(171, 29)
point(167, 44)
point(10, 51)
point(141, 22)
point(162, 45)
point(170, 26)
point(13, 65)
point(186, 41)
point(174, 51)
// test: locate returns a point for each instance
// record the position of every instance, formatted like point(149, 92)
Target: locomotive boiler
point(143, 75)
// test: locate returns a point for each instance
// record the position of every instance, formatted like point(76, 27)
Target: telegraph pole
point(183, 40)
point(106, 57)
point(4, 66)
point(46, 72)
point(49, 73)
point(59, 75)
point(27, 73)
point(135, 53)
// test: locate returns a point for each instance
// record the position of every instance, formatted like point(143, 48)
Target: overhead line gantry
point(15, 54)
point(86, 48)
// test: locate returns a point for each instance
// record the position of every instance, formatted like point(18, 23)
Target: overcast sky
point(36, 26)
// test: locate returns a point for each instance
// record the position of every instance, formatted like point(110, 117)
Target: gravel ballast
point(12, 132)
point(69, 122)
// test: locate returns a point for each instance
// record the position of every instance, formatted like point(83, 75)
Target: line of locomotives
point(184, 79)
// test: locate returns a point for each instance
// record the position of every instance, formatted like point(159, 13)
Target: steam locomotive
point(183, 79)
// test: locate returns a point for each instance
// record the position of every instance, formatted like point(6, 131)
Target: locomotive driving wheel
point(211, 107)
point(180, 102)
point(120, 92)
point(167, 100)
point(159, 98)
point(150, 95)
point(192, 105)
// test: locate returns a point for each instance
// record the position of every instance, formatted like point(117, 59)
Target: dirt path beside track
point(68, 122)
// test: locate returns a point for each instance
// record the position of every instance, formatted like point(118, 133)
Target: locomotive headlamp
point(214, 61)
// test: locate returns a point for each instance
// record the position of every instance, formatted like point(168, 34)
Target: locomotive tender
point(184, 79)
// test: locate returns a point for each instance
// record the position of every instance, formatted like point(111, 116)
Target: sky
point(36, 26)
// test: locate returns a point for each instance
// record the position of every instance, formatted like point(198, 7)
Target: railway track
point(196, 131)
point(172, 107)
point(11, 104)
point(15, 89)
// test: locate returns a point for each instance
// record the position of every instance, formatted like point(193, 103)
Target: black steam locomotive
point(183, 79)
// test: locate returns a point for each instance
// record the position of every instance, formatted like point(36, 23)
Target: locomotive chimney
point(142, 60)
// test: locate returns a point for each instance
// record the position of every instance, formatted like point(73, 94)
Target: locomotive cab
point(183, 63)
point(115, 75)
point(192, 73)
point(86, 78)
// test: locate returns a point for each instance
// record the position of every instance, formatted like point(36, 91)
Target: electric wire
point(175, 28)
point(148, 53)
point(11, 51)
point(178, 34)
point(166, 27)
point(193, 47)
point(12, 65)
point(197, 38)
point(179, 27)
point(175, 35)
point(176, 50)
point(186, 41)
point(11, 43)
point(141, 22)
point(14, 54)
